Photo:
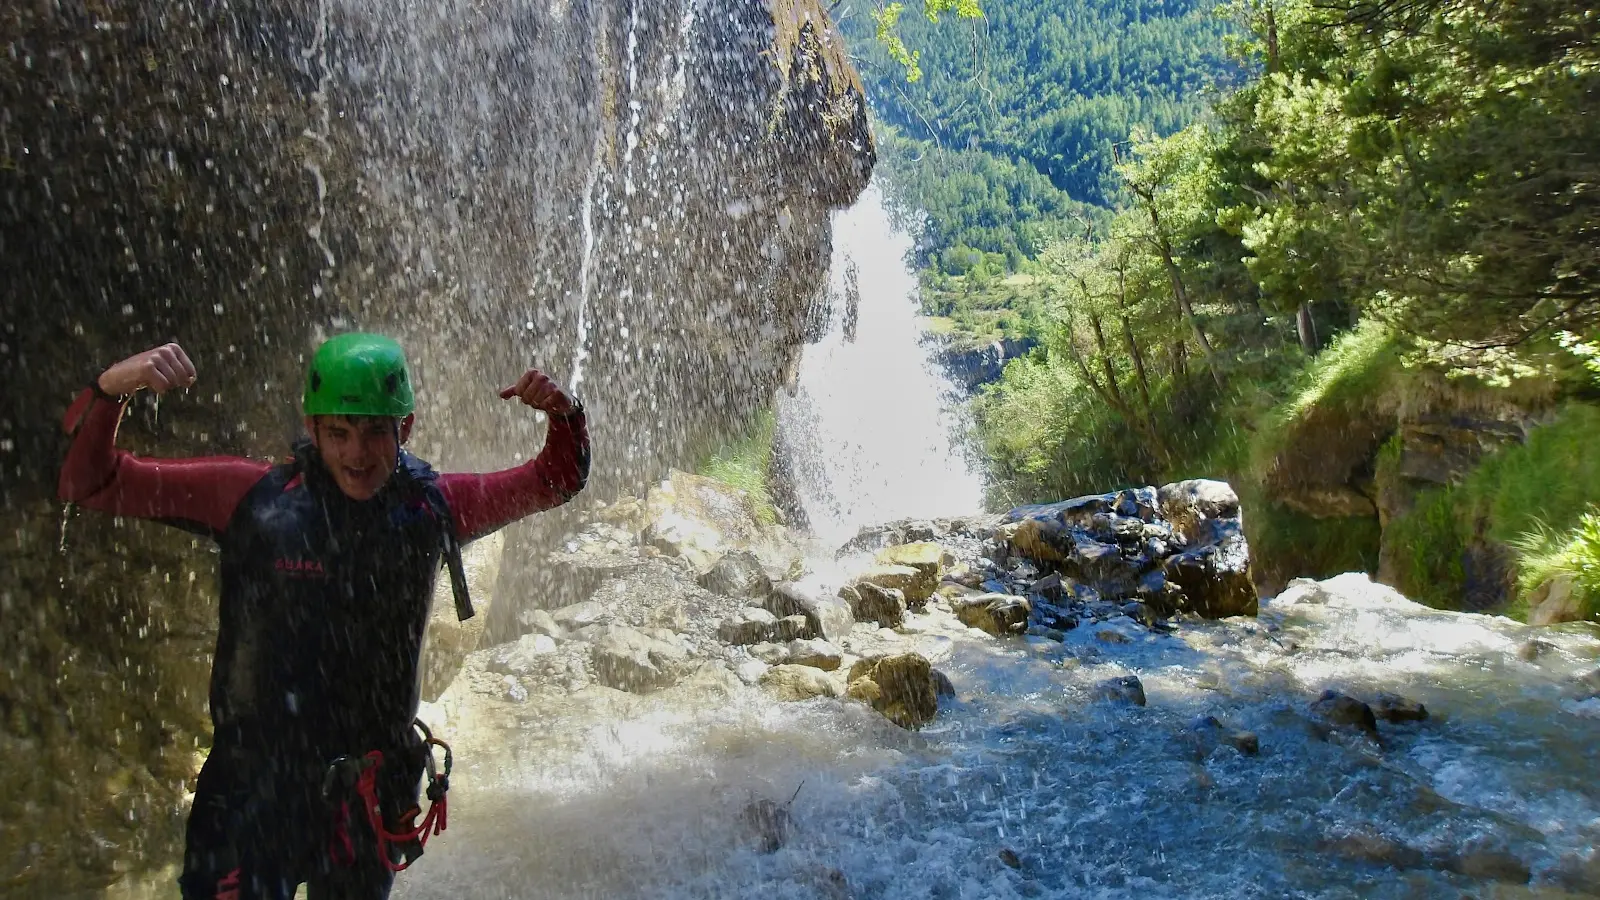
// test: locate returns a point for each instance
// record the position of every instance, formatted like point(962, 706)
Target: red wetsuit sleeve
point(201, 492)
point(481, 504)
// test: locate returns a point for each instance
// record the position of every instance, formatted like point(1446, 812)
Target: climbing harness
point(349, 775)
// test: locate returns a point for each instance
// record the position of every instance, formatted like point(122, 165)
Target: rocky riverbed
point(711, 724)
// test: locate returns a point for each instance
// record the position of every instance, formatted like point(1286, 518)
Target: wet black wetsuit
point(323, 606)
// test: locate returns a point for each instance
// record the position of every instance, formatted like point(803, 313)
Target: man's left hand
point(537, 390)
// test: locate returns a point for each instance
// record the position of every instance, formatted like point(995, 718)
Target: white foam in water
point(872, 420)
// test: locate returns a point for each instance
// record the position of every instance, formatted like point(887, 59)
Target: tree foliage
point(1429, 165)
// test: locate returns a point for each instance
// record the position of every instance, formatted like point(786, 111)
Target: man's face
point(359, 451)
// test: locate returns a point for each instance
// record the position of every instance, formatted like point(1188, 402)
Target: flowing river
point(1025, 785)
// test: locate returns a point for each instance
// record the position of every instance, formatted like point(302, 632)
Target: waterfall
point(872, 423)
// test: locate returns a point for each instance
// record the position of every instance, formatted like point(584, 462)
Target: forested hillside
point(1364, 287)
point(1010, 128)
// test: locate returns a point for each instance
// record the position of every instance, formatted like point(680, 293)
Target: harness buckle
point(342, 776)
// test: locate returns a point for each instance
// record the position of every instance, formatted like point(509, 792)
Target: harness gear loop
point(360, 775)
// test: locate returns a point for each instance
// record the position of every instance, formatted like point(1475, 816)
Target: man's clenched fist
point(537, 390)
point(160, 369)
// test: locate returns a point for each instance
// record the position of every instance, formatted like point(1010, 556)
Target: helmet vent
point(316, 381)
point(392, 382)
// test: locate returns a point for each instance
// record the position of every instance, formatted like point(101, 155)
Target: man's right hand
point(160, 369)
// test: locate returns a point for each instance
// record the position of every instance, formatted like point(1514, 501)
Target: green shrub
point(1544, 554)
point(1536, 498)
point(744, 464)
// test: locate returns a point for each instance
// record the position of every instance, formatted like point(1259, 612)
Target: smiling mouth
point(360, 474)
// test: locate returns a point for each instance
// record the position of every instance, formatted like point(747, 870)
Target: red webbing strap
point(433, 823)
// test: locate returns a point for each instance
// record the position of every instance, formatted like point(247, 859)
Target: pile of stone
point(687, 583)
point(1145, 553)
point(687, 580)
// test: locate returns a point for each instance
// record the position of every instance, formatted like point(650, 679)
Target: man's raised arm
point(481, 504)
point(196, 494)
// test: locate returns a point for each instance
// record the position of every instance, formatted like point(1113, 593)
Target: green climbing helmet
point(359, 375)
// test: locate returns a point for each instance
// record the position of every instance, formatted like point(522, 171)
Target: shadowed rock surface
point(640, 191)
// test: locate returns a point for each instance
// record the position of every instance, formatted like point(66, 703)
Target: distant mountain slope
point(1012, 126)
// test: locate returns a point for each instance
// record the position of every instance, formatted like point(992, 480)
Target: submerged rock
point(1207, 733)
point(767, 823)
point(1126, 689)
point(1338, 710)
point(1395, 708)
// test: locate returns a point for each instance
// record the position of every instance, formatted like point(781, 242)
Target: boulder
point(771, 654)
point(886, 606)
point(1554, 601)
point(1185, 503)
point(927, 558)
point(901, 687)
point(699, 519)
point(794, 683)
point(523, 657)
point(539, 621)
point(1080, 511)
point(750, 671)
point(915, 586)
point(1041, 540)
point(996, 614)
point(791, 628)
point(1337, 710)
point(512, 690)
point(737, 574)
point(1128, 689)
point(630, 660)
point(1215, 580)
point(829, 618)
point(942, 685)
point(748, 626)
point(816, 654)
point(581, 615)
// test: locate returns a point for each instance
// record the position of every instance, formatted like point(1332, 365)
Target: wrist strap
point(94, 385)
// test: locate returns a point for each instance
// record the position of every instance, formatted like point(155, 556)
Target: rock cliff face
point(631, 194)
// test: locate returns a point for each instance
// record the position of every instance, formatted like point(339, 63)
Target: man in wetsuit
point(327, 568)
